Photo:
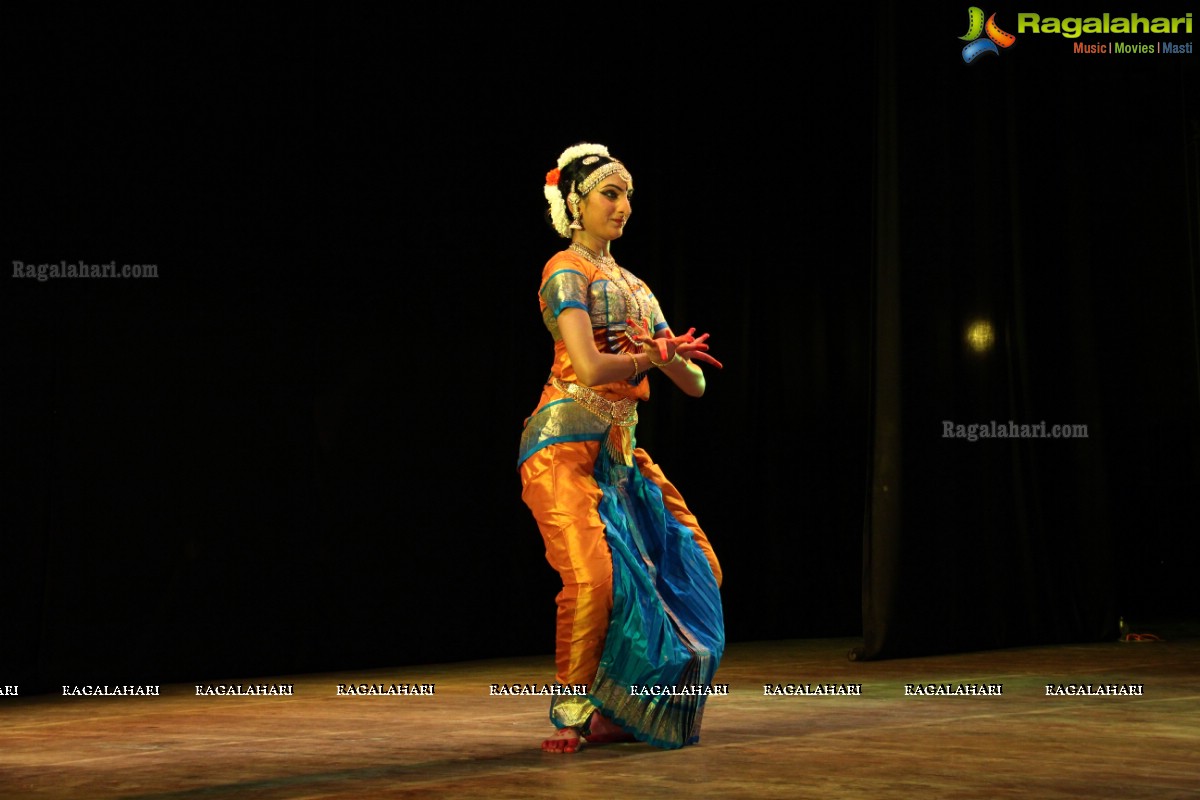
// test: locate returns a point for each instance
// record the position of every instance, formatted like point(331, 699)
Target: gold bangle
point(634, 376)
point(674, 357)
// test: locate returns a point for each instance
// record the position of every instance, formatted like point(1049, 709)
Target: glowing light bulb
point(980, 336)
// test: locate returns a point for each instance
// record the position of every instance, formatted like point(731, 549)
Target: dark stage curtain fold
point(1034, 266)
point(295, 449)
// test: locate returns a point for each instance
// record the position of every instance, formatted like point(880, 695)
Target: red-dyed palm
point(695, 348)
point(686, 345)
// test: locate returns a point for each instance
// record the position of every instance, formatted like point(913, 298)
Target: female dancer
point(640, 630)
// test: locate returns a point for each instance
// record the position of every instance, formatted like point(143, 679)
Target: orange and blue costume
point(639, 616)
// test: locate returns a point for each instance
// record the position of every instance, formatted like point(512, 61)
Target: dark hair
point(574, 173)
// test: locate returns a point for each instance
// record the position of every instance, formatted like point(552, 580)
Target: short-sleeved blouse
point(571, 281)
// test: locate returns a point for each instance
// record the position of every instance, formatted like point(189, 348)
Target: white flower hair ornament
point(580, 150)
point(558, 205)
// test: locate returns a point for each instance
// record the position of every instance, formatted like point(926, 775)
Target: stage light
point(980, 336)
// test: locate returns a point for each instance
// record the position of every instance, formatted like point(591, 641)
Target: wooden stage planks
point(462, 741)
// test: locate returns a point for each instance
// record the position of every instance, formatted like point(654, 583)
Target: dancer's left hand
point(687, 345)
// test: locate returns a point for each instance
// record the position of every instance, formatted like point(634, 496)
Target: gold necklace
point(608, 266)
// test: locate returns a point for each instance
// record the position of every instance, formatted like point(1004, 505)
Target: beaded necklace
point(617, 277)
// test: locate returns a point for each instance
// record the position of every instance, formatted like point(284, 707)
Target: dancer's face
point(606, 209)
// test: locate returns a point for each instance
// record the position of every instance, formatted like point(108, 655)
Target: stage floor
point(928, 740)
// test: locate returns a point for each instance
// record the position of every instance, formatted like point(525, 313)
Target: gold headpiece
point(593, 180)
point(590, 154)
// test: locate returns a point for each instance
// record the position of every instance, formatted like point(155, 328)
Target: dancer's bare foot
point(564, 740)
point(602, 730)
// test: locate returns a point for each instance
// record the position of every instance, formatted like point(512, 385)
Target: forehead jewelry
point(602, 172)
point(588, 154)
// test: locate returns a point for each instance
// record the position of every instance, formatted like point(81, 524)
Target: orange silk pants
point(560, 490)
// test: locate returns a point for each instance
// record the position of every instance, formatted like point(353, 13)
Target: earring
point(573, 200)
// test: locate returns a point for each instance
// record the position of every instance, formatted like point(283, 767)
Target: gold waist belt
point(622, 413)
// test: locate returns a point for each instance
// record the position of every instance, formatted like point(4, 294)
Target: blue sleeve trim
point(569, 304)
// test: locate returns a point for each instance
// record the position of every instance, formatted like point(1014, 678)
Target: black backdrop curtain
point(294, 450)
point(1051, 196)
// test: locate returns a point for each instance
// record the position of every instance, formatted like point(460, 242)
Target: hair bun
point(583, 149)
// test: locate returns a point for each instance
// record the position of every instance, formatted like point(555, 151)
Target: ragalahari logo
point(976, 27)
